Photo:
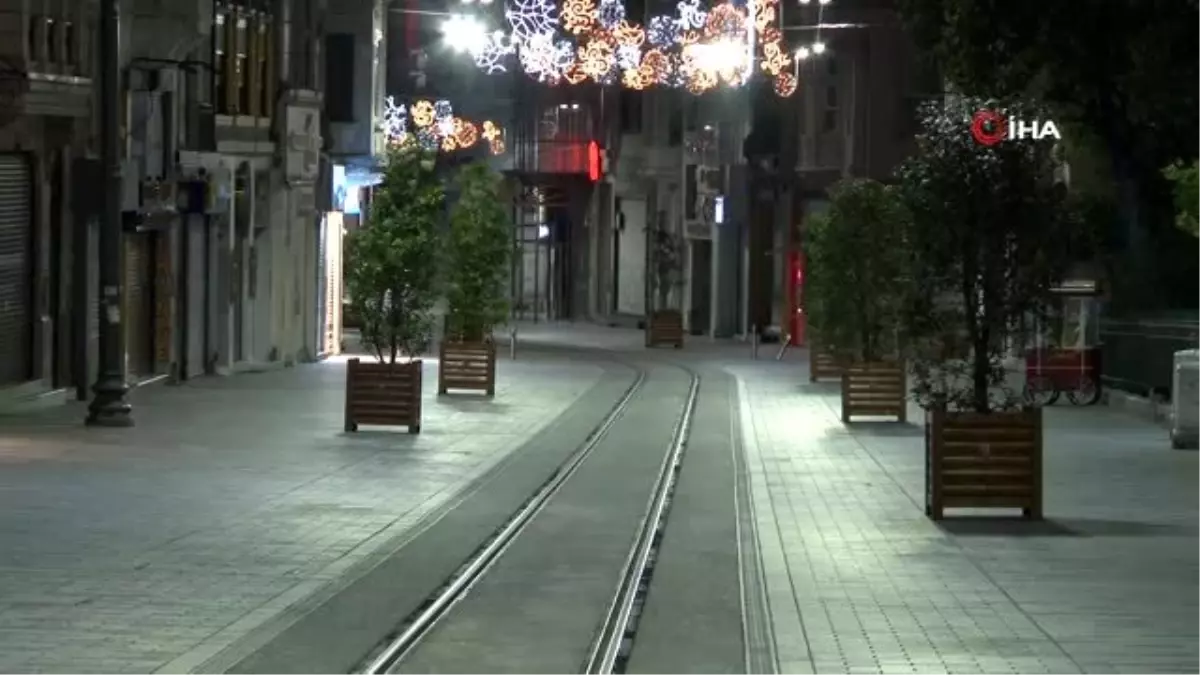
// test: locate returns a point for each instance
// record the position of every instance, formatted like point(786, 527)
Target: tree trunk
point(981, 368)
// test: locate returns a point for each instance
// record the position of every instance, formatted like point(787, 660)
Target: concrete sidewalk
point(860, 581)
point(233, 501)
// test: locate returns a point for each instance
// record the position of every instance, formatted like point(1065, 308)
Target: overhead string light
point(433, 126)
point(695, 48)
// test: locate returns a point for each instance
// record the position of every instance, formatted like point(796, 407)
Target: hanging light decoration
point(433, 126)
point(696, 48)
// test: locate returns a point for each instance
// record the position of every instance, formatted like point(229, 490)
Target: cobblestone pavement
point(860, 581)
point(232, 501)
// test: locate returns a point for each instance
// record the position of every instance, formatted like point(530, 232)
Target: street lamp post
point(108, 406)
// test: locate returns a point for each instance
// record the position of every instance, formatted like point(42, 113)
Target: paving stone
point(1109, 582)
point(125, 549)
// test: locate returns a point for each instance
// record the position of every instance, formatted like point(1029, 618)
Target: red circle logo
point(989, 127)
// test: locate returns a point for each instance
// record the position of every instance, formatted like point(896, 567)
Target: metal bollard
point(754, 342)
point(787, 341)
point(512, 344)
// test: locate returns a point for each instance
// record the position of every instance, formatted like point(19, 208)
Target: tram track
point(611, 623)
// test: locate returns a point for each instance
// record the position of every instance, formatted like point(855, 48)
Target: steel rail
point(614, 640)
point(477, 565)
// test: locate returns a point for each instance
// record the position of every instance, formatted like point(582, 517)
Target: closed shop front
point(139, 303)
point(16, 292)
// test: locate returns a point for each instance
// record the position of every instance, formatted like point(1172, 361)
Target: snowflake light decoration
point(610, 13)
point(663, 31)
point(696, 47)
point(628, 56)
point(447, 133)
point(442, 110)
point(491, 57)
point(531, 18)
point(691, 15)
point(428, 140)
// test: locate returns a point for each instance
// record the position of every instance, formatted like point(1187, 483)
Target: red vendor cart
point(1065, 356)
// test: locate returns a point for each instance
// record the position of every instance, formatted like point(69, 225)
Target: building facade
point(46, 71)
point(221, 141)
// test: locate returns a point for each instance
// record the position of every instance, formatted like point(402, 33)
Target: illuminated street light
point(465, 34)
point(803, 53)
point(818, 48)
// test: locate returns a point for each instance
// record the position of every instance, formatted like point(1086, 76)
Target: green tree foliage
point(667, 258)
point(1123, 72)
point(478, 249)
point(1184, 177)
point(990, 234)
point(856, 265)
point(392, 271)
point(1127, 69)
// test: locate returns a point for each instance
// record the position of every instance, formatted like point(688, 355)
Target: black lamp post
point(108, 406)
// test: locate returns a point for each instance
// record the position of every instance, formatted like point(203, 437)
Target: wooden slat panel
point(665, 327)
point(822, 365)
point(469, 366)
point(984, 461)
point(985, 502)
point(874, 389)
point(383, 394)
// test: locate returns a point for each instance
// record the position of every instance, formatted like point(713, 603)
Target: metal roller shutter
point(138, 311)
point(15, 277)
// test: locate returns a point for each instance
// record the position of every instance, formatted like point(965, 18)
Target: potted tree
point(856, 273)
point(477, 252)
point(391, 284)
point(989, 236)
point(665, 325)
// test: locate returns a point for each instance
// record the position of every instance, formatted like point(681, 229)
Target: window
point(831, 66)
point(70, 46)
point(691, 113)
point(241, 53)
point(831, 99)
point(829, 122)
point(36, 37)
point(339, 77)
point(266, 65)
point(52, 55)
point(220, 73)
point(631, 112)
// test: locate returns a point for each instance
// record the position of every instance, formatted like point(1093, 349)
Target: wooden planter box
point(822, 365)
point(974, 460)
point(469, 366)
point(385, 394)
point(877, 388)
point(665, 328)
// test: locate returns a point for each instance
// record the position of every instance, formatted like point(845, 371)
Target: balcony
point(43, 68)
point(245, 78)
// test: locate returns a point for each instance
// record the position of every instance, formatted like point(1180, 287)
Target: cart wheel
point(1040, 391)
point(1086, 392)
